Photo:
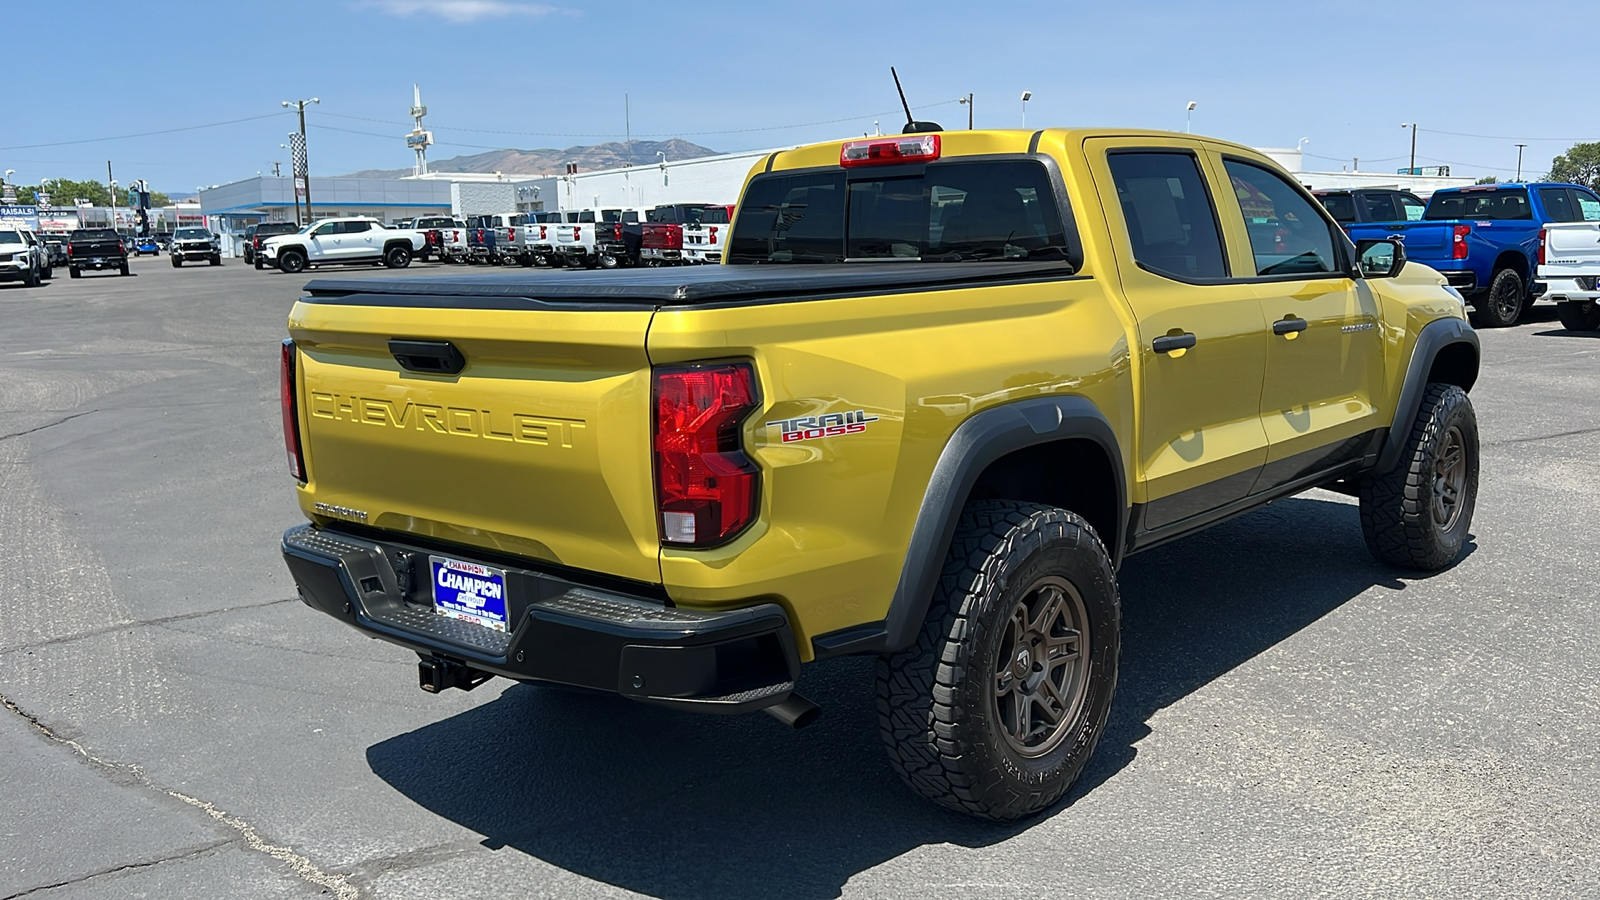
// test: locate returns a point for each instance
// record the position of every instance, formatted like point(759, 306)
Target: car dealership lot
point(1291, 718)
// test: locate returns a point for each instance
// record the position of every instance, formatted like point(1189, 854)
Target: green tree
point(1487, 179)
point(64, 191)
point(1579, 165)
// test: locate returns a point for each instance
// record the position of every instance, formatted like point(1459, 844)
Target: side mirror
point(1380, 258)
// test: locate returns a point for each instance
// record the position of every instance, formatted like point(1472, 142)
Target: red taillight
point(69, 249)
point(877, 151)
point(713, 230)
point(1541, 246)
point(706, 487)
point(291, 419)
point(616, 232)
point(1458, 242)
point(542, 233)
point(511, 234)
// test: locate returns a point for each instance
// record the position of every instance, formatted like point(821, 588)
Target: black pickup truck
point(96, 248)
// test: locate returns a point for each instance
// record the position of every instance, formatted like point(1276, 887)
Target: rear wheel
point(259, 264)
point(72, 272)
point(292, 262)
point(1417, 515)
point(997, 707)
point(1501, 305)
point(1579, 315)
point(397, 257)
point(124, 268)
point(607, 261)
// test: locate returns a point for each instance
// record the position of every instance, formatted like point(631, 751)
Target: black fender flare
point(973, 447)
point(1434, 337)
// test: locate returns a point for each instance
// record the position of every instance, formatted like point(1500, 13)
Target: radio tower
point(419, 138)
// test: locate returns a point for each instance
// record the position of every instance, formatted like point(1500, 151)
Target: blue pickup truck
point(1487, 240)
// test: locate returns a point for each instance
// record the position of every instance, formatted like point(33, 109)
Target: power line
point(660, 134)
point(141, 134)
point(1507, 137)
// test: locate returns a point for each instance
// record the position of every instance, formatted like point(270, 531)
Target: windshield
point(950, 212)
point(192, 234)
point(7, 236)
point(1504, 203)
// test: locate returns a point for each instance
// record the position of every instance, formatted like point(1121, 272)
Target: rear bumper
point(727, 661)
point(1464, 281)
point(1562, 290)
point(99, 262)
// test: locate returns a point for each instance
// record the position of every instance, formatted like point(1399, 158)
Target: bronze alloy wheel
point(1041, 666)
point(1449, 479)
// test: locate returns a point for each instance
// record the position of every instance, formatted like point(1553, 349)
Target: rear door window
point(1287, 234)
point(1588, 206)
point(1171, 221)
point(1411, 207)
point(1380, 207)
point(1341, 206)
point(1558, 205)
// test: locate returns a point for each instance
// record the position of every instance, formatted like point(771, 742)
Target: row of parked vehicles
point(603, 237)
point(1503, 246)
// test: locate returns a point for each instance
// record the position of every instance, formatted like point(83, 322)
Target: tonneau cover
point(678, 286)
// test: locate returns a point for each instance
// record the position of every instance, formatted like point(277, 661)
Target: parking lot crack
point(5, 437)
point(141, 623)
point(1543, 437)
point(116, 871)
point(247, 837)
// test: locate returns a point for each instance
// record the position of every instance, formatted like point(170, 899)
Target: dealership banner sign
point(26, 216)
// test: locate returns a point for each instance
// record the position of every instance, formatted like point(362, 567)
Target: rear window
point(94, 234)
point(1510, 203)
point(277, 228)
point(948, 212)
point(1340, 206)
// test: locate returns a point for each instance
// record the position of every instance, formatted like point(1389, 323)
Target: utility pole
point(112, 184)
point(1412, 169)
point(305, 164)
point(1519, 161)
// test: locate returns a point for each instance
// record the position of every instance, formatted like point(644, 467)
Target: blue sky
point(1478, 77)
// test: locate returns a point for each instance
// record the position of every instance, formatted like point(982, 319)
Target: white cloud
point(461, 11)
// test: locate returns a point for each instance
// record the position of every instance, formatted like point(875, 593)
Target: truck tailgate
point(538, 447)
point(1427, 242)
point(1573, 246)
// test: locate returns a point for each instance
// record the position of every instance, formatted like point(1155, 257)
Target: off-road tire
point(397, 257)
point(1579, 315)
point(1501, 305)
point(291, 262)
point(1400, 509)
point(939, 704)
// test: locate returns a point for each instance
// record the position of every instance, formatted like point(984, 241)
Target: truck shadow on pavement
point(674, 805)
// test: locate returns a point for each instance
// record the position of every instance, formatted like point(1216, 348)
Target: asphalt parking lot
point(1292, 718)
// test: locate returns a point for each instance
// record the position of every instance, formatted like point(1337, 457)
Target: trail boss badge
point(809, 428)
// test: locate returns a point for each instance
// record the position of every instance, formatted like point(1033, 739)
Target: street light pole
point(967, 102)
point(1519, 161)
point(1188, 115)
point(1026, 96)
point(112, 184)
point(1412, 169)
point(300, 107)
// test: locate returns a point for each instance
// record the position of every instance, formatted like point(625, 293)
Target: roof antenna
point(912, 125)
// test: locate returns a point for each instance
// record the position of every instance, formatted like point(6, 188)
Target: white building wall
point(482, 198)
point(710, 179)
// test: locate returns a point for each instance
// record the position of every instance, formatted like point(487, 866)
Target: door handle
point(1289, 326)
point(430, 357)
point(1170, 342)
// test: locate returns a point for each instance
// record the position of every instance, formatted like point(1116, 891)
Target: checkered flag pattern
point(297, 147)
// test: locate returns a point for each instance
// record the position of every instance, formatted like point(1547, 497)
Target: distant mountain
point(553, 162)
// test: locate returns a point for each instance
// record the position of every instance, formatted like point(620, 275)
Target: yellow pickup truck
point(942, 385)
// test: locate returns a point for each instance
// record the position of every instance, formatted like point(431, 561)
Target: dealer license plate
point(469, 592)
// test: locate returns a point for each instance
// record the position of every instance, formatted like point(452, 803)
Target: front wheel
point(1501, 306)
point(216, 260)
point(997, 707)
point(1417, 515)
point(49, 273)
point(1579, 315)
point(291, 262)
point(397, 257)
point(177, 262)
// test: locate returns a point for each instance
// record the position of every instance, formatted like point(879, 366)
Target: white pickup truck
point(356, 240)
point(703, 238)
point(578, 243)
point(445, 236)
point(1569, 266)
